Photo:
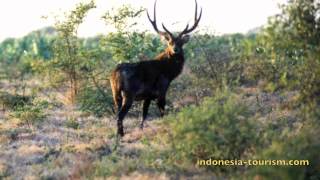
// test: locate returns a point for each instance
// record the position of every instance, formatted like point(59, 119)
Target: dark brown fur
point(148, 80)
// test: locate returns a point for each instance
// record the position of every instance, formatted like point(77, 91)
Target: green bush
point(304, 146)
point(72, 123)
point(309, 87)
point(114, 164)
point(94, 101)
point(13, 101)
point(220, 128)
point(32, 113)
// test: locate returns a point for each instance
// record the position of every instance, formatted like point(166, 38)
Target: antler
point(154, 22)
point(196, 22)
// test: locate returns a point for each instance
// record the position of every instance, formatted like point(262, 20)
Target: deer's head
point(175, 43)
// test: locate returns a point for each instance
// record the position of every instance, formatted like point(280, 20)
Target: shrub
point(304, 146)
point(221, 128)
point(96, 102)
point(13, 101)
point(72, 123)
point(31, 113)
point(309, 82)
point(114, 164)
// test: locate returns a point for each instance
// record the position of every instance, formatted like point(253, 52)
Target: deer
point(149, 80)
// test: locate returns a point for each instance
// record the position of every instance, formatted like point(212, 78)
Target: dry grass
point(54, 150)
point(143, 176)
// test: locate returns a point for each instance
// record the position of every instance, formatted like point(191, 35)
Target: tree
point(291, 40)
point(68, 57)
point(127, 43)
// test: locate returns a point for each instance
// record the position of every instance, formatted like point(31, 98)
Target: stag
point(149, 80)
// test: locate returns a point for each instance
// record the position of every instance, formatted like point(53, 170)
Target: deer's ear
point(185, 38)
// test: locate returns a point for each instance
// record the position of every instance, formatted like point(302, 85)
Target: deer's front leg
point(145, 109)
point(161, 102)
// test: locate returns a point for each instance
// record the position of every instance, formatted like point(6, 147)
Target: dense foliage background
point(240, 96)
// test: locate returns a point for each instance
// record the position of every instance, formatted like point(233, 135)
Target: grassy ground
point(60, 148)
point(70, 144)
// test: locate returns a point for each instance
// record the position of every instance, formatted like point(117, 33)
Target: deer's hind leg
point(117, 99)
point(126, 104)
point(116, 92)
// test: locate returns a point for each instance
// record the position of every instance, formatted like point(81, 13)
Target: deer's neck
point(174, 61)
point(169, 55)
